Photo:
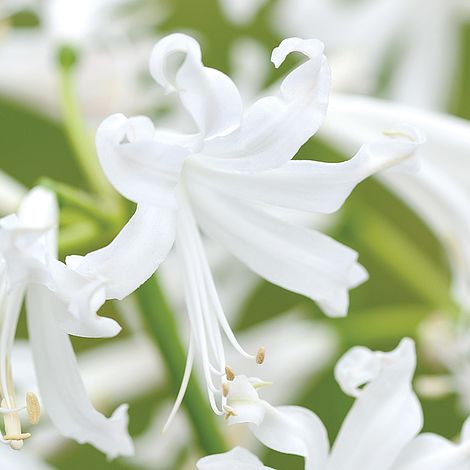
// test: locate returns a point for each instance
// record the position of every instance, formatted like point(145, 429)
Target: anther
point(229, 412)
point(19, 437)
point(229, 373)
point(260, 355)
point(225, 389)
point(33, 408)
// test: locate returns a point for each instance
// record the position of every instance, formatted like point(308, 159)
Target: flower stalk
point(76, 129)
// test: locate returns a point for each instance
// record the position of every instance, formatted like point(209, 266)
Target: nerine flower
point(425, 32)
point(440, 191)
point(29, 270)
point(379, 432)
point(228, 179)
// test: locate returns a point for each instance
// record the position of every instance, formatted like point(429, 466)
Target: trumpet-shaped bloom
point(440, 191)
point(28, 266)
point(228, 178)
point(380, 430)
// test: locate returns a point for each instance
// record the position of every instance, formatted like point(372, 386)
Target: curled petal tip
point(312, 48)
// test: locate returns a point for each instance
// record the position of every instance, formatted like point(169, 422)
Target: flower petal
point(142, 168)
point(438, 192)
point(236, 459)
point(11, 193)
point(209, 96)
point(309, 185)
point(133, 256)
point(386, 416)
point(61, 386)
point(429, 451)
point(287, 429)
point(274, 128)
point(301, 260)
point(23, 460)
point(77, 299)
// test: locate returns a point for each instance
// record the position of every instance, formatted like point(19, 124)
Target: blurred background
point(413, 51)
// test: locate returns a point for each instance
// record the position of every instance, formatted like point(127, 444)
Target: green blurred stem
point(161, 326)
point(78, 236)
point(80, 200)
point(396, 251)
point(78, 135)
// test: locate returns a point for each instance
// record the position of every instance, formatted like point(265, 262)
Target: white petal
point(61, 386)
point(426, 70)
point(287, 429)
point(356, 368)
point(431, 452)
point(386, 416)
point(14, 460)
point(241, 11)
point(236, 459)
point(140, 167)
point(39, 209)
point(11, 193)
point(210, 97)
point(294, 430)
point(134, 255)
point(77, 299)
point(439, 191)
point(309, 185)
point(301, 260)
point(274, 128)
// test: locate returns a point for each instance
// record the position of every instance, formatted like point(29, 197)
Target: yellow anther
point(229, 373)
point(260, 355)
point(225, 389)
point(33, 408)
point(18, 437)
point(229, 412)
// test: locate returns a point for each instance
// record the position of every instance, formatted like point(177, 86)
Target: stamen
point(229, 373)
point(33, 408)
point(260, 355)
point(225, 389)
point(229, 412)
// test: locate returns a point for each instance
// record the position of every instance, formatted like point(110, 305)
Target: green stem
point(76, 129)
point(80, 200)
point(161, 326)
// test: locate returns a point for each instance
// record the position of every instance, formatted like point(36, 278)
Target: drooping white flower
point(380, 430)
point(28, 250)
point(419, 37)
point(228, 178)
point(440, 191)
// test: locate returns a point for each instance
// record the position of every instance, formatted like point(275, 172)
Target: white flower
point(25, 460)
point(440, 191)
point(228, 177)
point(236, 459)
point(446, 343)
point(361, 36)
point(28, 266)
point(11, 193)
point(380, 431)
point(110, 58)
